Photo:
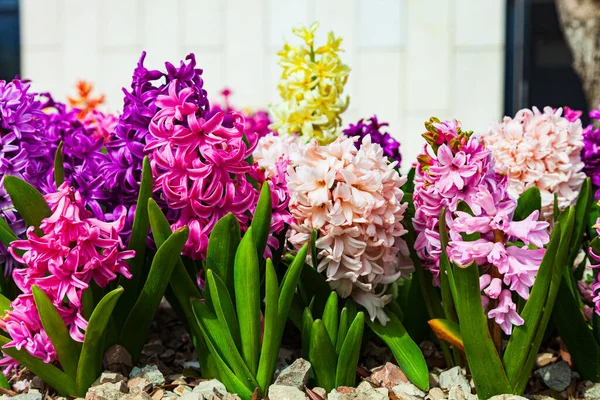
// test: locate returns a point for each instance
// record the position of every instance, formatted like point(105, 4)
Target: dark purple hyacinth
point(391, 147)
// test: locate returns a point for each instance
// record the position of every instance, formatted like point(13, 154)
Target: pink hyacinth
point(461, 169)
point(201, 166)
point(352, 197)
point(540, 149)
point(101, 125)
point(73, 250)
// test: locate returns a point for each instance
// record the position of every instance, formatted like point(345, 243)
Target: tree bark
point(580, 21)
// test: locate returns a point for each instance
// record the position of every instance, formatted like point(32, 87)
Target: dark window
point(10, 57)
point(539, 68)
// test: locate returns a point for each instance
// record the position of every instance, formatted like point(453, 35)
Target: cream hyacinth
point(539, 149)
point(353, 199)
point(311, 88)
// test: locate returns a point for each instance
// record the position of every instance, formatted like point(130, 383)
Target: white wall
point(410, 59)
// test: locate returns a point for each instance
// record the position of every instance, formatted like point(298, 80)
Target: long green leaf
point(59, 168)
point(322, 356)
point(582, 210)
point(137, 242)
point(4, 382)
point(137, 326)
point(54, 377)
point(528, 202)
point(448, 331)
point(269, 353)
point(223, 306)
point(216, 330)
point(578, 337)
point(286, 294)
point(92, 353)
point(183, 288)
point(220, 256)
point(405, 350)
point(307, 323)
point(28, 201)
point(228, 377)
point(331, 317)
point(342, 330)
point(484, 362)
point(567, 221)
point(4, 304)
point(247, 299)
point(348, 356)
point(67, 350)
point(261, 222)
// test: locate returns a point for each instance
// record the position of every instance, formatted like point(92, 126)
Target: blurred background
point(474, 60)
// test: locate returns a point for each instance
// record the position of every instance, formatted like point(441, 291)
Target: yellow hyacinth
point(311, 87)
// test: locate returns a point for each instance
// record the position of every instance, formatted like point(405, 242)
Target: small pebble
point(436, 394)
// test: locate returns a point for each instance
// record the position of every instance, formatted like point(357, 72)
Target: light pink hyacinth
point(353, 199)
point(540, 149)
point(74, 250)
point(460, 169)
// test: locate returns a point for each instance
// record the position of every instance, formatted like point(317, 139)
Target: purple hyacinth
point(22, 154)
point(391, 147)
point(590, 154)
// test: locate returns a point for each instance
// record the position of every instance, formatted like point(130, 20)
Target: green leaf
point(4, 304)
point(183, 288)
point(216, 331)
point(322, 356)
point(567, 221)
point(405, 350)
point(54, 377)
point(137, 242)
point(228, 377)
point(67, 350)
point(307, 323)
point(92, 352)
point(331, 317)
point(222, 245)
point(342, 330)
point(448, 331)
point(522, 338)
point(27, 201)
point(270, 347)
point(4, 382)
point(528, 202)
point(484, 362)
point(261, 221)
point(223, 306)
point(573, 329)
point(59, 168)
point(247, 299)
point(582, 210)
point(286, 295)
point(348, 357)
point(6, 233)
point(137, 326)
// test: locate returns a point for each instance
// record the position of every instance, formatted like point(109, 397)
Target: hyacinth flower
point(203, 169)
point(311, 87)
point(481, 246)
point(373, 128)
point(348, 202)
point(84, 101)
point(66, 251)
point(541, 149)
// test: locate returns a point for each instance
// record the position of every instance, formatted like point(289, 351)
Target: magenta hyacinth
point(200, 165)
point(461, 169)
point(74, 250)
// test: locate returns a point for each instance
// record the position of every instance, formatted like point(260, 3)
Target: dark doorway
point(10, 53)
point(538, 60)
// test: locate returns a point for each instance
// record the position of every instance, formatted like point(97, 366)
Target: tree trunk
point(580, 21)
